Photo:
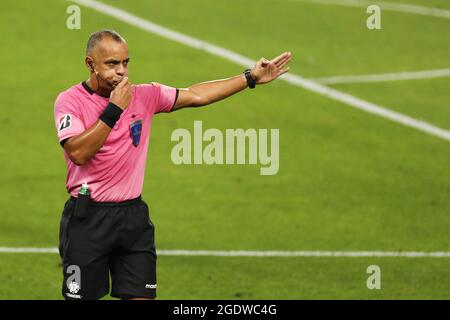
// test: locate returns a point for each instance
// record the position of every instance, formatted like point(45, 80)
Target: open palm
point(268, 70)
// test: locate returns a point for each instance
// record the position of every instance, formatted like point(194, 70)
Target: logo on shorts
point(64, 122)
point(150, 286)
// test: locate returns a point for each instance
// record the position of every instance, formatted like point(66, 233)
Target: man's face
point(110, 59)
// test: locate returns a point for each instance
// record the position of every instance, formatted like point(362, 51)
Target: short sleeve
point(68, 121)
point(167, 96)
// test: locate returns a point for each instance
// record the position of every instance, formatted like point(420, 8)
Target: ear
point(89, 63)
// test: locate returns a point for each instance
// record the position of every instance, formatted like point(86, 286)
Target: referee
point(103, 124)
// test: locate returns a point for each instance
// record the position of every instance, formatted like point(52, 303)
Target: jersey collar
point(90, 91)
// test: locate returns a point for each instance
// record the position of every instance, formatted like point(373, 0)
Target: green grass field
point(348, 180)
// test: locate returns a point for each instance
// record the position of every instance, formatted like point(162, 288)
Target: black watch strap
point(250, 81)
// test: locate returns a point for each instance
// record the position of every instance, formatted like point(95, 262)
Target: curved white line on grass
point(247, 62)
point(399, 76)
point(368, 106)
point(399, 7)
point(246, 253)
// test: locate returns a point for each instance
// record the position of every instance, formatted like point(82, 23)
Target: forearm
point(212, 91)
point(84, 146)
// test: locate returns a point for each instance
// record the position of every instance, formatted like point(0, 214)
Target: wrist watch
point(250, 81)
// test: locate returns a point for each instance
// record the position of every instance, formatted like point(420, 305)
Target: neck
point(94, 84)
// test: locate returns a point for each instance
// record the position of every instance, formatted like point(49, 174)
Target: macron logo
point(150, 286)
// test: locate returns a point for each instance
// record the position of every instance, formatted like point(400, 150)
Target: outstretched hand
point(267, 70)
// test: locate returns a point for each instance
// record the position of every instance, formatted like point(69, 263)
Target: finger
point(280, 57)
point(283, 61)
point(122, 82)
point(264, 62)
point(283, 71)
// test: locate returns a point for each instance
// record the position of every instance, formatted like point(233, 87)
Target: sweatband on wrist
point(111, 114)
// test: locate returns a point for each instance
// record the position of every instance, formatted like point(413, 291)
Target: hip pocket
point(64, 226)
point(146, 213)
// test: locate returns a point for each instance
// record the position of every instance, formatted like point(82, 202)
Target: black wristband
point(111, 114)
point(250, 81)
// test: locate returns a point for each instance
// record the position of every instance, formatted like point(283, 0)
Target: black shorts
point(116, 239)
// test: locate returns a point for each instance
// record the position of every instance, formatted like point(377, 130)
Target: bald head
point(96, 37)
point(106, 59)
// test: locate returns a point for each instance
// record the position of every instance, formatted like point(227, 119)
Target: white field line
point(399, 7)
point(346, 254)
point(426, 74)
point(247, 62)
point(246, 253)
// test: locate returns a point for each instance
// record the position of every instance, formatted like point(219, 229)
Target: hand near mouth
point(121, 95)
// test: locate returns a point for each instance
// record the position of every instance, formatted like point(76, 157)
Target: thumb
point(264, 62)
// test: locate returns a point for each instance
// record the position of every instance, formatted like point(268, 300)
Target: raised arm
point(211, 91)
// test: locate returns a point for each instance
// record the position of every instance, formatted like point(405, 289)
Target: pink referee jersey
point(116, 172)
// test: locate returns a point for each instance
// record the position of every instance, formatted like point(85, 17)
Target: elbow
point(201, 101)
point(75, 153)
point(197, 99)
point(79, 163)
point(77, 158)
